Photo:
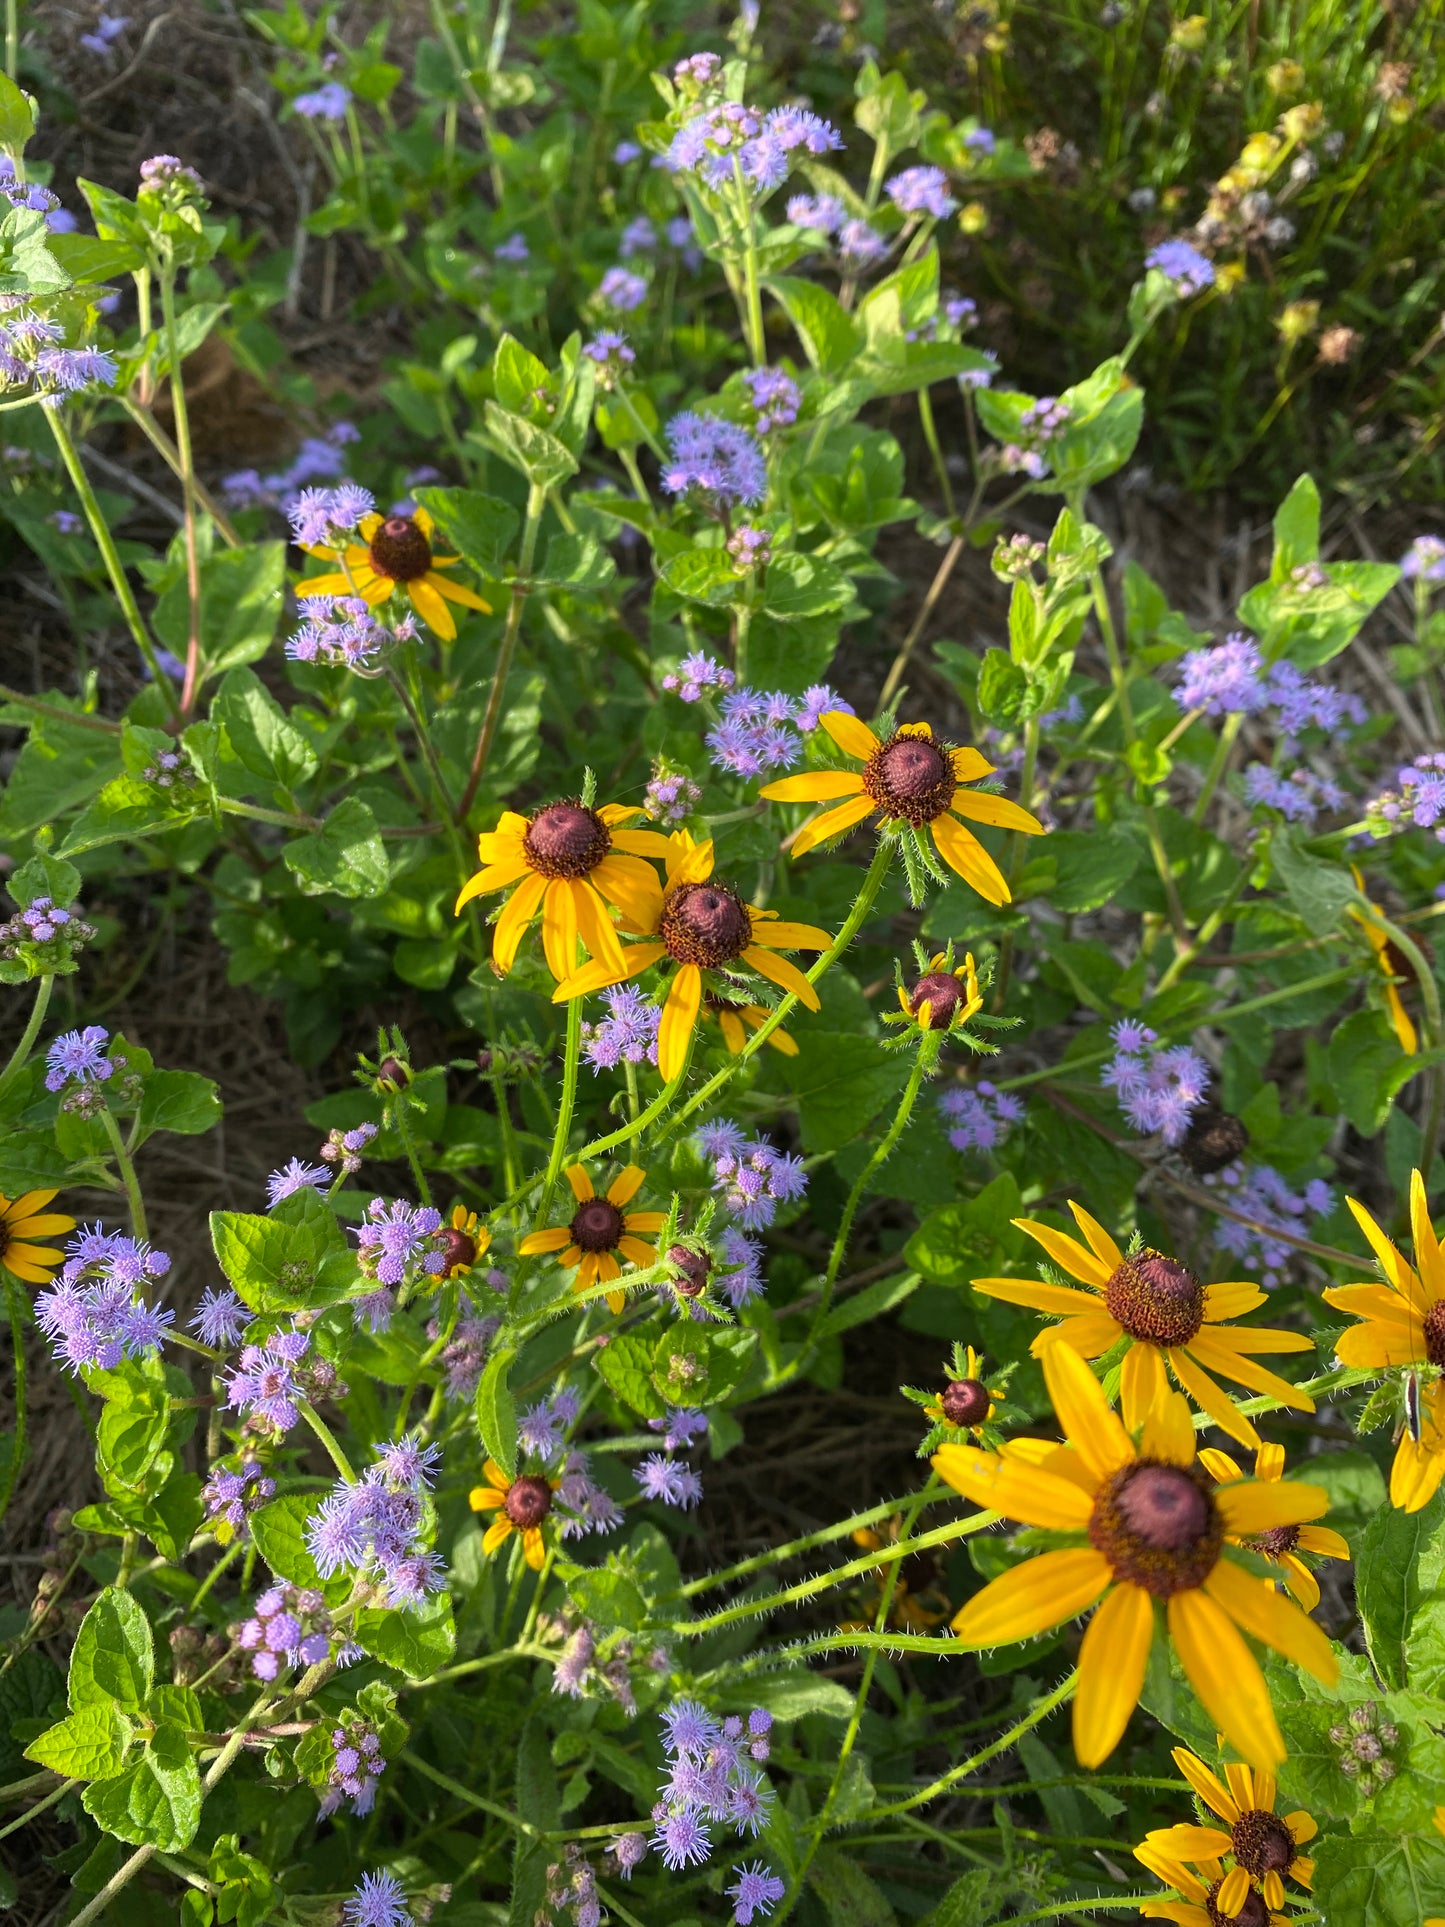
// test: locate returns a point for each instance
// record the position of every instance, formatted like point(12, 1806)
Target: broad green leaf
point(1379, 1880)
point(793, 1696)
point(497, 1411)
point(608, 1597)
point(576, 562)
point(967, 1902)
point(1389, 1589)
point(1321, 892)
point(129, 810)
point(798, 586)
point(704, 575)
point(180, 1101)
point(17, 116)
point(1296, 529)
point(1368, 1069)
point(415, 1642)
point(129, 1440)
point(517, 374)
point(626, 1365)
point(345, 856)
point(273, 1264)
point(542, 458)
point(850, 1897)
point(155, 1802)
point(479, 527)
point(242, 595)
point(279, 1531)
point(1090, 866)
point(87, 1745)
point(829, 336)
point(262, 737)
point(113, 1658)
point(841, 1082)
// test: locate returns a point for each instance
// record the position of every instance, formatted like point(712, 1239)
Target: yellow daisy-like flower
point(700, 925)
point(1168, 1317)
point(944, 998)
point(1402, 1322)
point(568, 861)
point(22, 1221)
point(1283, 1545)
point(395, 552)
point(521, 1504)
point(913, 779)
point(467, 1240)
point(1393, 969)
point(1201, 1888)
point(1265, 1846)
point(1157, 1530)
point(597, 1230)
point(731, 1019)
point(965, 1403)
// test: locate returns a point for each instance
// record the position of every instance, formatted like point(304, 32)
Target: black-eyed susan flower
point(912, 779)
point(521, 1505)
point(1198, 1890)
point(945, 996)
point(23, 1220)
point(598, 1230)
point(701, 925)
point(1150, 1531)
point(1402, 1323)
point(731, 1018)
point(395, 552)
point(1282, 1545)
point(1169, 1318)
point(1264, 1845)
point(1393, 971)
point(569, 861)
point(465, 1240)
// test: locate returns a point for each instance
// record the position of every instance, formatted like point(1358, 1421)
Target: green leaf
point(967, 1902)
point(1002, 685)
point(954, 1246)
point(416, 1642)
point(87, 259)
point(841, 1082)
point(279, 1531)
point(793, 1696)
point(1388, 1584)
point(829, 336)
point(850, 1897)
point(346, 855)
point(1090, 867)
point(262, 737)
point(576, 562)
point(704, 575)
point(129, 810)
point(113, 1658)
point(60, 768)
point(798, 586)
point(157, 1801)
point(88, 1745)
point(479, 527)
point(1379, 1880)
point(17, 116)
point(1296, 529)
point(1321, 892)
point(242, 595)
point(497, 1411)
point(273, 1264)
point(542, 458)
point(517, 374)
point(130, 1438)
point(626, 1365)
point(608, 1597)
point(1368, 1069)
point(180, 1101)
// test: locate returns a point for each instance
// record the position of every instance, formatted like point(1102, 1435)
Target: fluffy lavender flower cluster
point(694, 674)
point(627, 1035)
point(464, 1355)
point(1299, 794)
point(1158, 1088)
point(1259, 1192)
point(32, 350)
point(717, 458)
point(107, 29)
point(824, 212)
point(320, 458)
point(1231, 678)
point(671, 796)
point(293, 1177)
point(275, 1378)
point(232, 1496)
point(220, 1318)
point(711, 1780)
point(749, 547)
point(329, 101)
point(78, 1057)
point(1419, 799)
point(1424, 560)
point(728, 140)
point(668, 1480)
point(357, 1764)
point(921, 190)
point(43, 921)
point(344, 1148)
point(758, 726)
point(1189, 270)
point(775, 397)
point(542, 1428)
point(342, 632)
point(326, 516)
point(750, 1175)
point(375, 1525)
point(399, 1244)
point(583, 1505)
point(169, 179)
point(621, 290)
point(980, 1115)
point(611, 352)
point(169, 770)
point(29, 195)
point(572, 1887)
point(740, 1270)
point(91, 1315)
point(290, 1627)
point(378, 1901)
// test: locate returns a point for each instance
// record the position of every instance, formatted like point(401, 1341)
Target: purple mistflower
point(379, 1901)
point(679, 1427)
point(671, 797)
point(1158, 1087)
point(220, 1318)
point(815, 703)
point(752, 736)
point(794, 127)
point(375, 1525)
point(740, 1273)
point(629, 1850)
point(688, 1729)
point(1424, 560)
point(1301, 703)
point(319, 516)
point(756, 1890)
point(860, 244)
point(464, 1355)
point(165, 171)
point(1299, 795)
point(775, 397)
point(570, 1672)
point(408, 1462)
point(584, 1504)
point(1182, 264)
point(980, 1115)
point(627, 1035)
point(231, 1497)
point(621, 290)
point(513, 249)
point(78, 1056)
point(71, 370)
point(753, 1178)
point(980, 140)
point(1227, 679)
point(638, 237)
point(694, 674)
point(824, 212)
point(720, 1138)
point(668, 1480)
point(399, 1238)
point(107, 29)
point(697, 70)
point(539, 1430)
point(343, 632)
point(293, 1177)
point(329, 101)
point(266, 1384)
point(749, 1798)
point(682, 1839)
point(91, 1314)
point(626, 151)
point(610, 350)
point(1259, 1193)
point(921, 190)
point(716, 457)
point(749, 547)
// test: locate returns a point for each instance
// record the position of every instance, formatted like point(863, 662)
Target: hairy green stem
point(126, 1166)
point(881, 1154)
point(565, 1106)
point(20, 1056)
point(167, 280)
point(536, 503)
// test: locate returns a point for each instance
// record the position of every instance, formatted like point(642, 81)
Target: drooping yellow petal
point(1211, 1398)
point(731, 1026)
point(1429, 1264)
point(337, 583)
point(1273, 1619)
point(633, 886)
point(1038, 1295)
point(33, 1264)
point(645, 843)
point(774, 934)
point(813, 786)
point(496, 876)
point(594, 926)
point(962, 851)
point(691, 863)
point(485, 1498)
point(1405, 1034)
point(783, 972)
point(551, 1239)
point(637, 957)
point(1112, 1662)
point(1069, 1254)
point(1304, 1588)
point(1205, 1348)
point(431, 607)
point(1142, 1384)
point(1377, 1345)
point(969, 765)
point(607, 1268)
point(1168, 1427)
point(1034, 1597)
point(832, 823)
point(1091, 1427)
point(12, 1210)
point(1400, 1275)
point(1017, 1490)
point(1220, 1467)
point(559, 930)
point(1325, 1541)
point(534, 1547)
point(679, 1015)
point(1233, 1892)
point(626, 1185)
point(495, 1534)
point(1101, 1244)
point(1251, 1506)
point(981, 807)
point(1090, 1335)
point(1374, 1301)
point(851, 734)
point(455, 591)
point(582, 1187)
point(1416, 1474)
point(517, 913)
point(1230, 1301)
point(1226, 1676)
point(1211, 1790)
point(637, 1251)
point(1184, 1842)
point(1302, 1826)
point(1259, 1338)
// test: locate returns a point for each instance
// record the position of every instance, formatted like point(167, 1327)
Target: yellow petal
point(690, 864)
point(1429, 1264)
point(645, 1220)
point(783, 972)
point(626, 1185)
point(1233, 1892)
point(1211, 1398)
point(1069, 1254)
point(637, 957)
point(1230, 1301)
point(336, 583)
point(1184, 1842)
point(962, 851)
point(734, 1036)
point(1373, 1347)
point(1259, 1338)
point(1090, 1335)
point(1325, 1541)
point(814, 786)
point(1220, 1467)
point(1416, 1474)
point(1168, 1428)
point(647, 843)
point(1142, 1383)
point(485, 1498)
point(1304, 1588)
point(1302, 1827)
point(431, 608)
point(1226, 1676)
point(581, 1183)
point(633, 886)
point(679, 1015)
point(1034, 1597)
point(1112, 1661)
point(551, 1239)
point(1100, 1243)
point(1400, 1275)
point(1017, 1490)
point(832, 823)
point(1211, 1790)
point(534, 1547)
point(496, 876)
point(1253, 1506)
point(1090, 1426)
point(775, 934)
point(559, 931)
point(518, 912)
point(637, 1251)
point(1206, 1349)
point(1273, 1619)
point(495, 1533)
point(969, 765)
point(1037, 1295)
point(851, 734)
point(456, 591)
point(981, 807)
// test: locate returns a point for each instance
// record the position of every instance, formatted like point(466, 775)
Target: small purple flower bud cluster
point(1299, 795)
point(32, 349)
point(1158, 1088)
point(1258, 1192)
point(320, 458)
point(1189, 270)
point(756, 1890)
point(91, 1314)
point(275, 1378)
point(1305, 577)
point(43, 921)
point(344, 1148)
point(1044, 420)
point(638, 237)
point(78, 1057)
point(1424, 560)
point(514, 250)
point(680, 1427)
point(582, 1669)
point(749, 547)
point(170, 180)
point(740, 1268)
point(169, 770)
point(710, 1780)
point(399, 1244)
point(668, 1480)
point(728, 141)
point(25, 194)
point(343, 632)
point(621, 290)
point(921, 190)
point(584, 1506)
point(627, 1035)
point(65, 522)
point(611, 352)
point(696, 673)
point(324, 517)
point(821, 211)
point(329, 101)
point(464, 1355)
point(357, 1764)
point(220, 1318)
point(751, 1176)
point(295, 1176)
point(958, 311)
point(232, 1496)
point(671, 796)
point(697, 72)
point(1419, 801)
point(722, 462)
point(980, 1115)
point(572, 1887)
point(376, 1524)
point(290, 1627)
point(775, 396)
point(1071, 713)
point(542, 1428)
point(860, 244)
